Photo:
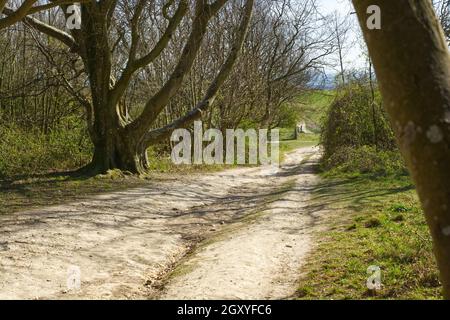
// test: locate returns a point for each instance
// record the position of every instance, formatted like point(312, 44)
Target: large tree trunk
point(412, 63)
point(117, 152)
point(114, 146)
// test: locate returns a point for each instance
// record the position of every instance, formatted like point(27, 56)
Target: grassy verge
point(376, 221)
point(304, 140)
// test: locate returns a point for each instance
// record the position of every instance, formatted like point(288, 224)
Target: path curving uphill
point(240, 233)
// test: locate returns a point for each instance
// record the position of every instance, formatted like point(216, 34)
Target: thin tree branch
point(51, 31)
point(134, 64)
point(27, 8)
point(156, 135)
point(157, 103)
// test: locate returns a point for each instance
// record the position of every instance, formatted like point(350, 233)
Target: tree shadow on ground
point(353, 192)
point(23, 191)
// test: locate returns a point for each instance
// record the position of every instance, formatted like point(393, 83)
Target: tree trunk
point(116, 151)
point(118, 155)
point(412, 64)
point(114, 146)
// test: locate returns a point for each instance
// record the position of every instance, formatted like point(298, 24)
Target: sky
point(328, 6)
point(354, 58)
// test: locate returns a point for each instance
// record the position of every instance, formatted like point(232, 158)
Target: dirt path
point(257, 259)
point(255, 228)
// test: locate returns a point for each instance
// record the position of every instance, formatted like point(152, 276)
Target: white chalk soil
point(242, 233)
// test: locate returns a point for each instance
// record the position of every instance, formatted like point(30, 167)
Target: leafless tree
point(341, 26)
point(292, 46)
point(118, 40)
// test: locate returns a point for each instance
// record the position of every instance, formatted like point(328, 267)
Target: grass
point(304, 140)
point(376, 221)
point(313, 106)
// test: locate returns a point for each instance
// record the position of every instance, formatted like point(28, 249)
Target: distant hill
point(313, 105)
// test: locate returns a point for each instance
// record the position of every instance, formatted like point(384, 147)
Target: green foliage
point(356, 134)
point(287, 133)
point(364, 159)
point(31, 151)
point(289, 115)
point(354, 121)
point(313, 106)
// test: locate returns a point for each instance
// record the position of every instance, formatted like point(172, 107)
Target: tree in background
point(282, 55)
point(27, 7)
point(412, 63)
point(45, 85)
point(341, 26)
point(115, 42)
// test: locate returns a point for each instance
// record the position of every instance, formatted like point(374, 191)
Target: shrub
point(365, 159)
point(354, 121)
point(356, 134)
point(30, 151)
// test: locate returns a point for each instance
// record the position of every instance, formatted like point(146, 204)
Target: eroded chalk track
point(251, 229)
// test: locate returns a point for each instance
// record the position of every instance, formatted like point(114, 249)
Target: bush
point(30, 151)
point(356, 134)
point(354, 121)
point(365, 159)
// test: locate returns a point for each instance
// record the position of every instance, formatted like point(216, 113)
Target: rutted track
point(255, 227)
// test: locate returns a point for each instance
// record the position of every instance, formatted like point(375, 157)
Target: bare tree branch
point(51, 31)
point(155, 105)
point(134, 64)
point(27, 8)
point(158, 134)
